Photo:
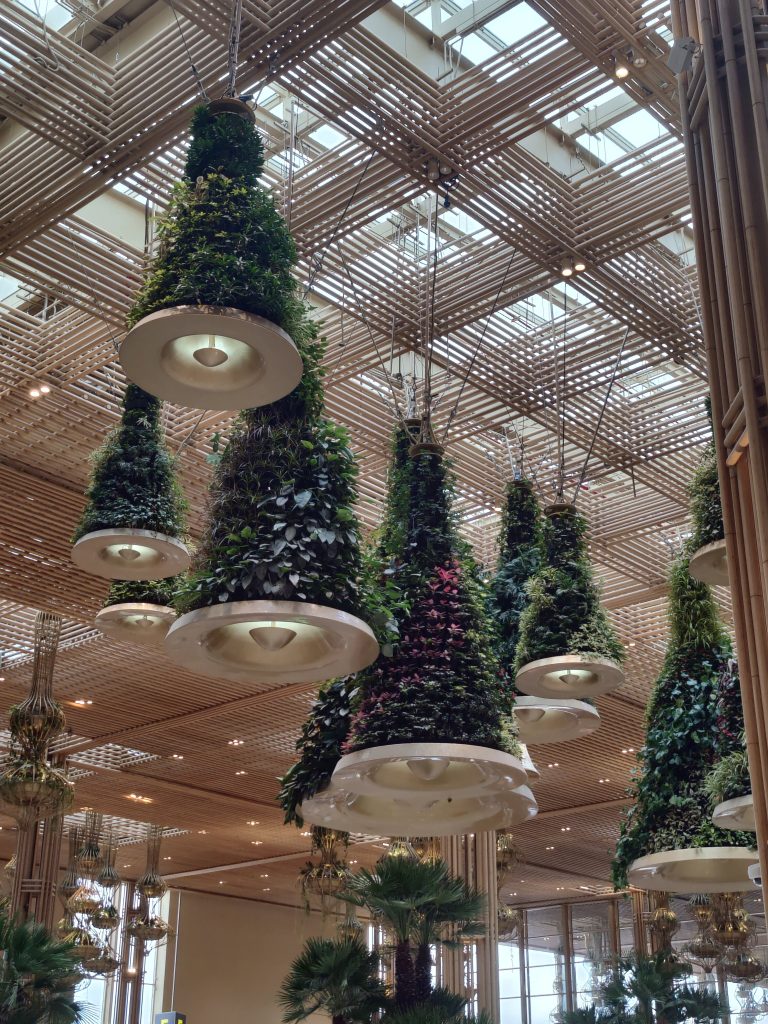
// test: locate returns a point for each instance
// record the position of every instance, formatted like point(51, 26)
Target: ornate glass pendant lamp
point(540, 719)
point(668, 841)
point(274, 596)
point(137, 612)
point(428, 749)
point(212, 326)
point(567, 647)
point(709, 561)
point(134, 519)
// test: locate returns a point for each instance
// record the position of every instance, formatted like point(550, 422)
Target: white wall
point(230, 956)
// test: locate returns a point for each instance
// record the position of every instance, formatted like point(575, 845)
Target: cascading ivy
point(688, 730)
point(564, 614)
point(133, 483)
point(704, 495)
point(519, 559)
point(222, 241)
point(443, 683)
point(281, 524)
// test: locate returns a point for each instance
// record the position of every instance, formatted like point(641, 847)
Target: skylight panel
point(514, 25)
point(639, 128)
point(600, 146)
point(327, 136)
point(53, 14)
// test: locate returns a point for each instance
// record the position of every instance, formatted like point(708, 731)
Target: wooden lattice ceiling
point(550, 158)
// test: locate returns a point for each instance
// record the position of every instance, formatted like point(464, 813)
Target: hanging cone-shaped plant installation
point(567, 647)
point(134, 518)
point(212, 326)
point(137, 611)
point(275, 596)
point(429, 749)
point(709, 562)
point(668, 841)
point(540, 720)
point(728, 784)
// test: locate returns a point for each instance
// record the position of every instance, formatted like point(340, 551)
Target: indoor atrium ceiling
point(548, 157)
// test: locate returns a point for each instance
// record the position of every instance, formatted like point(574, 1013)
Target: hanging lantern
point(663, 922)
point(508, 855)
point(350, 927)
point(275, 597)
point(667, 839)
point(66, 926)
point(149, 928)
point(744, 966)
point(429, 749)
point(38, 719)
point(108, 877)
point(567, 647)
point(86, 947)
point(211, 326)
point(88, 859)
point(400, 846)
point(730, 924)
point(34, 790)
point(104, 964)
point(150, 884)
point(135, 514)
point(327, 877)
point(85, 900)
point(509, 923)
point(138, 612)
point(709, 561)
point(105, 918)
point(427, 848)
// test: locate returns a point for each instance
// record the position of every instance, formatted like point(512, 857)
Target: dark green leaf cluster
point(281, 524)
point(685, 734)
point(37, 975)
point(704, 495)
point(519, 559)
point(133, 482)
point(160, 592)
point(564, 614)
point(222, 241)
point(443, 683)
point(729, 778)
point(319, 746)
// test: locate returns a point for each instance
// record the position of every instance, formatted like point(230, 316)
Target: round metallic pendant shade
point(130, 555)
point(710, 564)
point(136, 622)
point(696, 870)
point(271, 642)
point(542, 720)
point(211, 357)
point(569, 675)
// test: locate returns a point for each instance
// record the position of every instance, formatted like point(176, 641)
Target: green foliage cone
point(222, 242)
point(281, 524)
point(564, 615)
point(160, 592)
point(133, 482)
point(704, 496)
point(443, 683)
point(685, 734)
point(519, 559)
point(327, 725)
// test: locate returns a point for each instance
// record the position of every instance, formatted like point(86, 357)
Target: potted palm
point(709, 561)
point(540, 720)
point(567, 647)
point(37, 975)
point(134, 518)
point(212, 325)
point(274, 596)
point(430, 749)
point(668, 841)
point(137, 611)
point(337, 977)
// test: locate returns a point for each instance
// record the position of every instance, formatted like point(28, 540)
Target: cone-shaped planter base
point(211, 357)
point(738, 813)
point(271, 642)
point(695, 870)
point(136, 622)
point(441, 816)
point(569, 675)
point(531, 770)
point(710, 564)
point(554, 721)
point(130, 555)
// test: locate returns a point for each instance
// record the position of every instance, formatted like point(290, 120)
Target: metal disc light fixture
point(137, 612)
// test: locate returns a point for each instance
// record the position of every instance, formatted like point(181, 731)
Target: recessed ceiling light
point(263, 876)
point(202, 832)
point(82, 702)
point(566, 828)
point(258, 823)
point(235, 743)
point(34, 392)
point(177, 757)
point(256, 842)
point(266, 890)
point(306, 833)
point(353, 862)
point(45, 389)
point(139, 799)
point(221, 883)
point(166, 858)
point(241, 772)
point(555, 764)
point(549, 847)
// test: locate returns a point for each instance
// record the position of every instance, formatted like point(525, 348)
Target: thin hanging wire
point(603, 407)
point(233, 49)
point(561, 468)
point(193, 69)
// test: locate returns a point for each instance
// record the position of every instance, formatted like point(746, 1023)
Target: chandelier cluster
point(725, 936)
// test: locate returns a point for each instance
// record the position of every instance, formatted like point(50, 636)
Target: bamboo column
point(725, 129)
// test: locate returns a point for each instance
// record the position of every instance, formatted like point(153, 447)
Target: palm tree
point(37, 975)
point(648, 990)
point(337, 976)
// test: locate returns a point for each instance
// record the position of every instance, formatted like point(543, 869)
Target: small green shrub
point(161, 592)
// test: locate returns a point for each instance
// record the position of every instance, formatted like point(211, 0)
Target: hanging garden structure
point(430, 750)
point(213, 325)
point(728, 784)
point(138, 612)
point(540, 720)
point(668, 841)
point(134, 518)
point(567, 647)
point(274, 596)
point(709, 561)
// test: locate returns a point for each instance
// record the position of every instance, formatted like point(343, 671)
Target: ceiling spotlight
point(34, 392)
point(45, 389)
point(579, 265)
point(639, 60)
point(566, 267)
point(620, 67)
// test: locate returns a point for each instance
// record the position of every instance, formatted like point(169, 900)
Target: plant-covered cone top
point(222, 242)
point(442, 683)
point(281, 525)
point(158, 592)
point(133, 482)
point(519, 559)
point(686, 734)
point(564, 615)
point(704, 494)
